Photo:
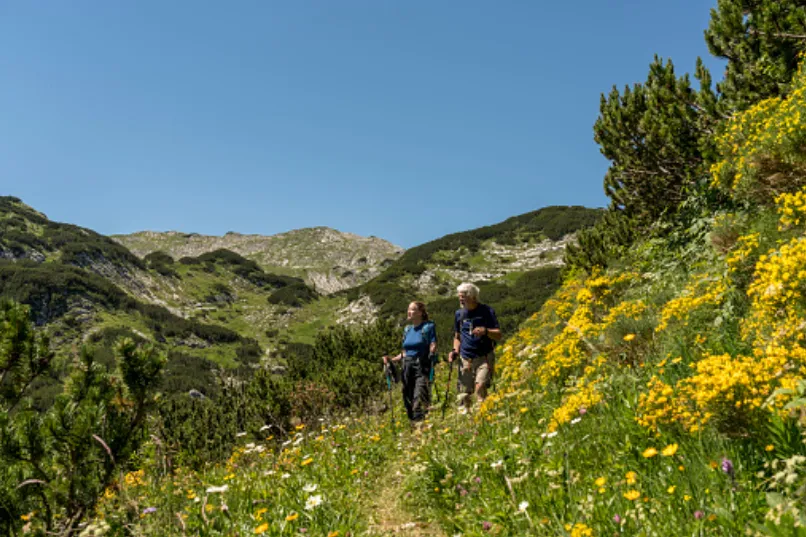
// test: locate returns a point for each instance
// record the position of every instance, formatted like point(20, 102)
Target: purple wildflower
point(478, 479)
point(583, 411)
point(617, 519)
point(727, 466)
point(698, 515)
point(486, 525)
point(149, 510)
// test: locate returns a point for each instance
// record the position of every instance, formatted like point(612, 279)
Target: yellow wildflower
point(292, 517)
point(262, 528)
point(632, 477)
point(632, 495)
point(629, 337)
point(669, 450)
point(650, 452)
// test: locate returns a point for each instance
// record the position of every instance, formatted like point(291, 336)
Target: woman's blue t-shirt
point(417, 342)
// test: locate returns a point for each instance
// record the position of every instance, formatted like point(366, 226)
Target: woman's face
point(413, 314)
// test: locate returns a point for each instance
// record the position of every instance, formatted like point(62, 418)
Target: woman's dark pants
point(415, 388)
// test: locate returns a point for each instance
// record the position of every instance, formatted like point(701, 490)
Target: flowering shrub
point(761, 148)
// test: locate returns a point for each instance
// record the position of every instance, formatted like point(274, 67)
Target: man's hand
point(480, 331)
point(451, 356)
point(385, 359)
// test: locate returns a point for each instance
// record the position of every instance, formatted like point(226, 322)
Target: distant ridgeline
point(489, 257)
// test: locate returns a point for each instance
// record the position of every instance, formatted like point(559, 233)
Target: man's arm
point(456, 344)
point(494, 333)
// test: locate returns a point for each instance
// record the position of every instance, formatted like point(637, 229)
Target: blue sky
point(406, 120)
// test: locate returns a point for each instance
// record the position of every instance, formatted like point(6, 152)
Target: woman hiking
point(419, 347)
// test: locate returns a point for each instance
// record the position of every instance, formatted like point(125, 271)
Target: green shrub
point(294, 295)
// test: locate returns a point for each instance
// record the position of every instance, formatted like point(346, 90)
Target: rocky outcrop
point(328, 260)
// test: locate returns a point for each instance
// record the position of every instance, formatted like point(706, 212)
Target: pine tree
point(58, 463)
point(656, 136)
point(761, 39)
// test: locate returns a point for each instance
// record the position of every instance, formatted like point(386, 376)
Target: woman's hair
point(468, 289)
point(421, 308)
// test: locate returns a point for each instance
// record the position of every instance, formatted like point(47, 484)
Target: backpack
point(429, 330)
point(429, 333)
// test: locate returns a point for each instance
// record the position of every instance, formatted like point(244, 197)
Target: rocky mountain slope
point(327, 259)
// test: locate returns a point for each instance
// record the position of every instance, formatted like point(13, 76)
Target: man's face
point(464, 300)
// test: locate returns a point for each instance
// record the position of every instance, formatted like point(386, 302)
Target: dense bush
point(57, 463)
point(196, 431)
point(162, 263)
point(239, 265)
point(294, 295)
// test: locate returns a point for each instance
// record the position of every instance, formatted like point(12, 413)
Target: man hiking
point(419, 347)
point(475, 330)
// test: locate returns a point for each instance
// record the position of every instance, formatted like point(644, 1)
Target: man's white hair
point(468, 289)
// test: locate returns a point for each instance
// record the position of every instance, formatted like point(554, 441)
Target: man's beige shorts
point(476, 371)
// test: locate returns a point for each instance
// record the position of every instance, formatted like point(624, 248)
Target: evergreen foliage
point(294, 295)
point(601, 243)
point(239, 265)
point(761, 39)
point(655, 135)
point(59, 462)
point(162, 263)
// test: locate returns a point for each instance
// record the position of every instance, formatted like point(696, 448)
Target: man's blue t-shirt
point(417, 340)
point(465, 321)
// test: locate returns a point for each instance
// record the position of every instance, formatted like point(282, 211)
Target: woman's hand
point(385, 359)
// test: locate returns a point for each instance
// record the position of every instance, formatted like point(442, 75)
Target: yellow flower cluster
point(769, 130)
point(702, 290)
point(746, 246)
point(792, 208)
point(780, 278)
point(584, 396)
point(730, 389)
point(579, 530)
point(134, 479)
point(628, 309)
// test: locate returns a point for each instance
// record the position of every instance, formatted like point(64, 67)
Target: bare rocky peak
point(328, 259)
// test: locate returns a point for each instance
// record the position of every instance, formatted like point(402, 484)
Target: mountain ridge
point(327, 259)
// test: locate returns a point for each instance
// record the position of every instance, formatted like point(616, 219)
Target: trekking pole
point(387, 370)
point(447, 388)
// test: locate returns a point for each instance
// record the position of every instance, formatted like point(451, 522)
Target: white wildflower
point(214, 490)
point(310, 487)
point(313, 502)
